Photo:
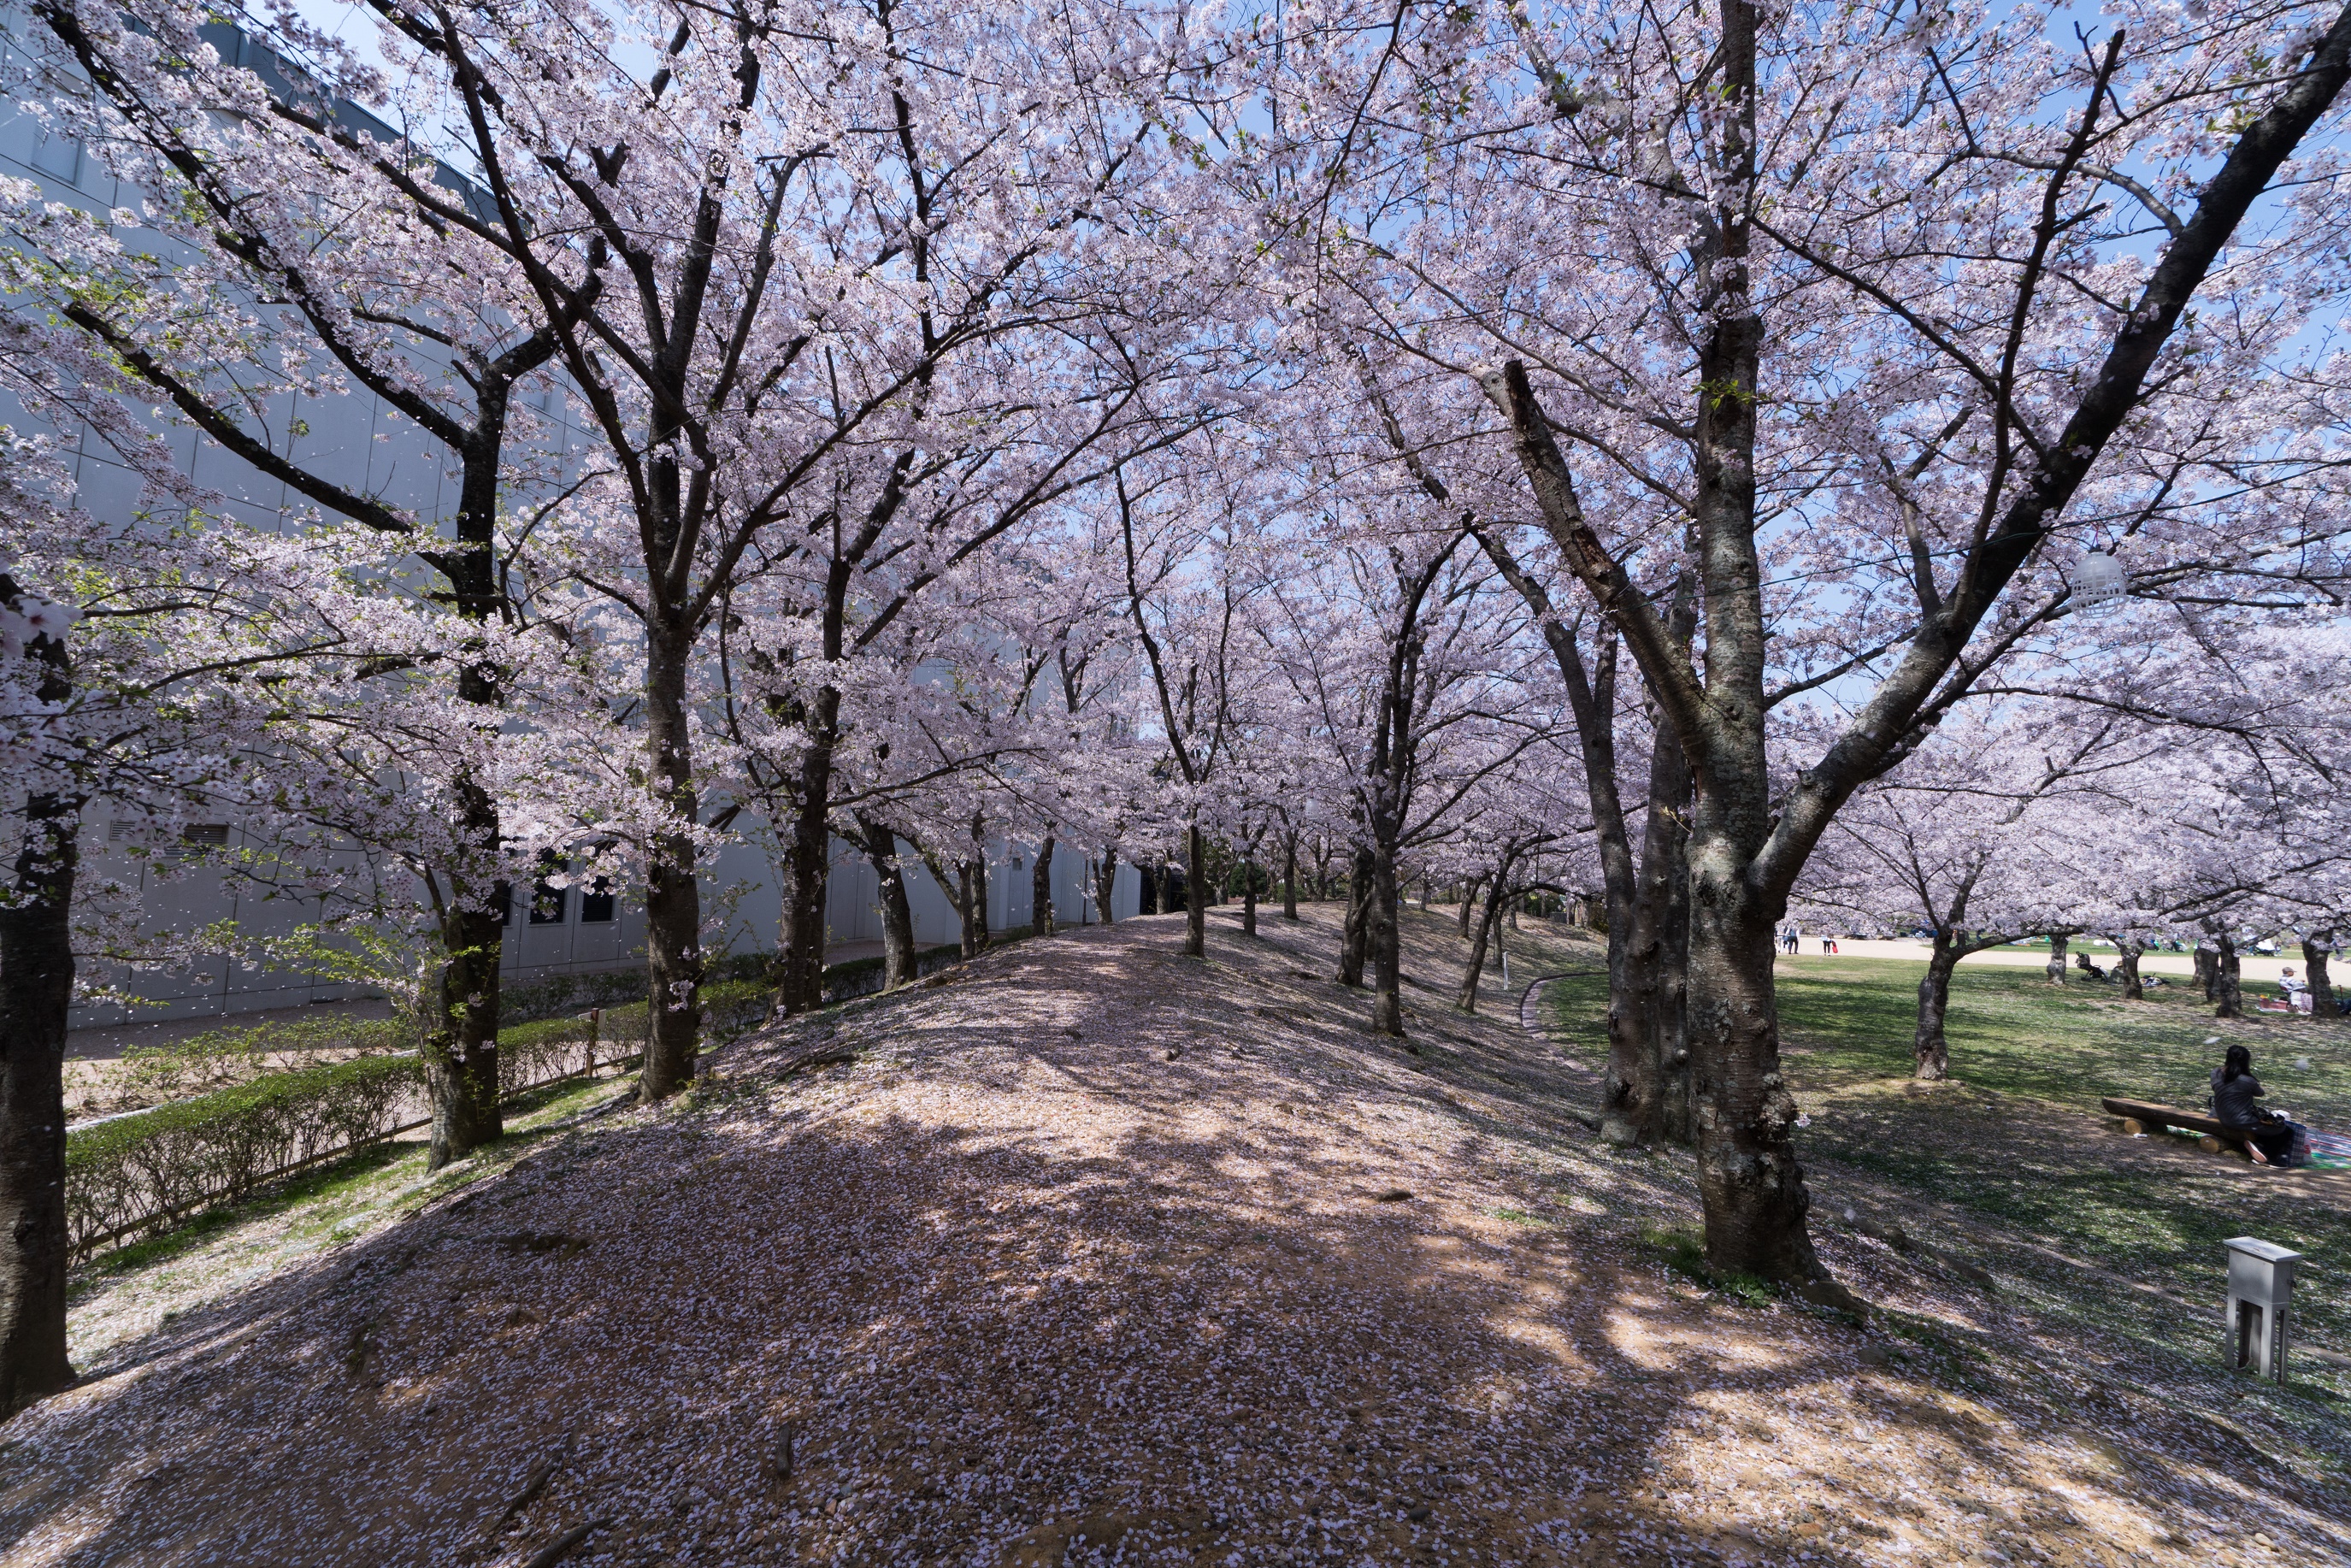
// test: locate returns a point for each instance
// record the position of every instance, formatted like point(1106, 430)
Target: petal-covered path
point(1096, 1254)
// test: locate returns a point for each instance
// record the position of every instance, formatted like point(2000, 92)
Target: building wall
point(206, 895)
point(350, 441)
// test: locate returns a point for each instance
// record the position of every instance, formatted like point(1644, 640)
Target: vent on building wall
point(198, 837)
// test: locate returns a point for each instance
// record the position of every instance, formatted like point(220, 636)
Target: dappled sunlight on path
point(1095, 1253)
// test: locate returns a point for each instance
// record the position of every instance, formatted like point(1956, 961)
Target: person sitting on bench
point(2234, 1090)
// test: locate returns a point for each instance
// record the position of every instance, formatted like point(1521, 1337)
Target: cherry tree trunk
point(672, 892)
point(1248, 898)
point(1752, 1185)
point(1930, 1050)
point(1749, 1180)
point(2314, 965)
point(2055, 967)
point(1041, 891)
point(1469, 904)
point(965, 887)
point(1196, 890)
point(881, 846)
point(2207, 971)
point(975, 872)
point(1656, 955)
point(1355, 936)
point(1647, 1092)
point(2127, 954)
point(1475, 968)
point(1386, 947)
point(36, 974)
point(2228, 986)
point(1289, 875)
point(1106, 884)
point(460, 1047)
point(1677, 1096)
point(807, 866)
point(971, 909)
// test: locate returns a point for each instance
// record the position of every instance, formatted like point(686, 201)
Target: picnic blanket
point(2330, 1150)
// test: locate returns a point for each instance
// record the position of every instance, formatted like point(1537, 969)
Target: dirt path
point(1096, 1254)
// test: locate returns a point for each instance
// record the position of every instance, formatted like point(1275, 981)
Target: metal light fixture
point(2099, 578)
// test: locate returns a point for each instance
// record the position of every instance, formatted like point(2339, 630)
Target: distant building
point(350, 441)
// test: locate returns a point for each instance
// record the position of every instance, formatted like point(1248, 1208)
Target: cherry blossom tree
point(129, 663)
point(1405, 668)
point(910, 303)
point(270, 270)
point(2002, 827)
point(1871, 294)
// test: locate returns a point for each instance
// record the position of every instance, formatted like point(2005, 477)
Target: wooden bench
point(2145, 1116)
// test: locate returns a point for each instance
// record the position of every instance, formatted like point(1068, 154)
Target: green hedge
point(126, 1173)
point(564, 995)
point(149, 1166)
point(863, 977)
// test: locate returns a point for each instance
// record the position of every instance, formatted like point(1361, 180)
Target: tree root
point(532, 1485)
point(556, 1550)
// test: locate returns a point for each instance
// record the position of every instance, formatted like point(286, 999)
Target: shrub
point(221, 1057)
point(863, 977)
point(734, 1006)
point(140, 1169)
point(149, 1166)
point(571, 994)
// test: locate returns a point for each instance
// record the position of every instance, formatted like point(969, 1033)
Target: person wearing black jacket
point(2234, 1090)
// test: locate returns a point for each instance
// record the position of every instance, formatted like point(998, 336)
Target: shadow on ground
point(1095, 1254)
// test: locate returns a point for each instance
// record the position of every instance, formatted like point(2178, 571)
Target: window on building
point(598, 902)
point(548, 901)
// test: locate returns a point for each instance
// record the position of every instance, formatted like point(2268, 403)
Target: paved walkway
point(2253, 967)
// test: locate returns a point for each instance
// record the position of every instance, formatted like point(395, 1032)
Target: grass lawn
point(2019, 1142)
